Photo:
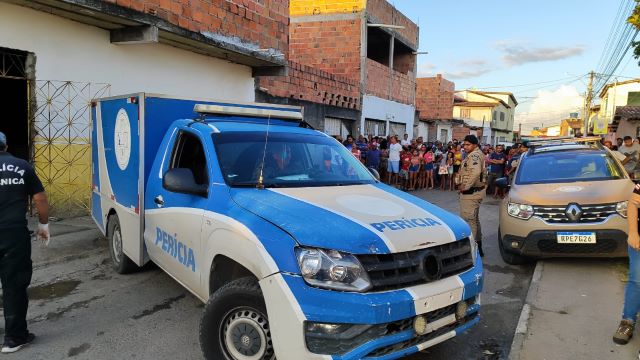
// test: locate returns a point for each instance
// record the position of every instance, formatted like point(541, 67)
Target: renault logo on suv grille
point(574, 212)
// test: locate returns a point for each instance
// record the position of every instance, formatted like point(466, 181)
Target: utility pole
point(587, 105)
point(519, 131)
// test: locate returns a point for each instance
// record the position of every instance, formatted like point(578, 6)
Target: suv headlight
point(332, 269)
point(520, 211)
point(621, 208)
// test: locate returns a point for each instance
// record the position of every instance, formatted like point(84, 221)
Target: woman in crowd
point(428, 165)
point(450, 169)
point(422, 173)
point(457, 161)
point(413, 169)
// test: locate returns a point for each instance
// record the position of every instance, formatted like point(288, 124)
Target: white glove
point(43, 233)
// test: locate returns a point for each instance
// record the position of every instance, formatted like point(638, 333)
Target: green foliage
point(634, 20)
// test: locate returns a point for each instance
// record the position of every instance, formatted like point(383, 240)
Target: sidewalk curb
point(523, 321)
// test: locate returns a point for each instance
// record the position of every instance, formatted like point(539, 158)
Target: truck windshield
point(290, 160)
point(569, 166)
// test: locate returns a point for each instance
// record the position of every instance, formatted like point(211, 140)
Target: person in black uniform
point(18, 181)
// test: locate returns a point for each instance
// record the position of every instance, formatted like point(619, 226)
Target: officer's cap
point(3, 140)
point(471, 139)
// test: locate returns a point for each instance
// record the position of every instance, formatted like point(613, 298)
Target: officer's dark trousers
point(15, 274)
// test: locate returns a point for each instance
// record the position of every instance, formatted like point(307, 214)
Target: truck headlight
point(332, 269)
point(621, 208)
point(520, 211)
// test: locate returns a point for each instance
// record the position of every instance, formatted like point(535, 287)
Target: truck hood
point(593, 192)
point(359, 219)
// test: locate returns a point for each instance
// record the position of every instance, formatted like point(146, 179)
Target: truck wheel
point(509, 257)
point(234, 324)
point(121, 263)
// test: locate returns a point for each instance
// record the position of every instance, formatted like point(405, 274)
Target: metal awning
point(131, 26)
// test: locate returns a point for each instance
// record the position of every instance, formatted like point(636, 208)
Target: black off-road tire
point(121, 262)
point(509, 257)
point(236, 299)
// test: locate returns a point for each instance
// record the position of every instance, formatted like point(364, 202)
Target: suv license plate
point(576, 238)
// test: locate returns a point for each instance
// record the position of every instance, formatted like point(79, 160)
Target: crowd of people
point(418, 164)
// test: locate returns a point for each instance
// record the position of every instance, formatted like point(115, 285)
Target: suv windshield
point(568, 166)
point(290, 160)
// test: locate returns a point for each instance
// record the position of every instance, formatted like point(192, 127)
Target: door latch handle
point(159, 200)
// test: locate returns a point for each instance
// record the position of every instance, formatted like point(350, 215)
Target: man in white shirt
point(617, 154)
point(393, 167)
point(405, 141)
point(631, 151)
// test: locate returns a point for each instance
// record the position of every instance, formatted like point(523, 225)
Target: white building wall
point(386, 110)
point(71, 51)
point(616, 96)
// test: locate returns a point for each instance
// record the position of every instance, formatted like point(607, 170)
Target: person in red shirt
point(405, 163)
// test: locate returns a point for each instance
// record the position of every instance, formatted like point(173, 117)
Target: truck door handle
point(159, 200)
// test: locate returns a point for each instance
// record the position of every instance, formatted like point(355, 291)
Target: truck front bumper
point(311, 323)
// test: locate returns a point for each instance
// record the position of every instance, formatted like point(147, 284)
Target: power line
point(615, 27)
point(534, 83)
point(618, 44)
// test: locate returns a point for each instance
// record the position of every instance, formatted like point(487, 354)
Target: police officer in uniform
point(18, 181)
point(472, 185)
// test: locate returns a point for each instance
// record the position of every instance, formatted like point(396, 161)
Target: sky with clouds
point(539, 50)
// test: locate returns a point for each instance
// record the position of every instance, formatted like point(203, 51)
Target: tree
point(634, 20)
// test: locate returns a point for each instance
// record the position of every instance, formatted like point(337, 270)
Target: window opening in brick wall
point(403, 58)
point(378, 45)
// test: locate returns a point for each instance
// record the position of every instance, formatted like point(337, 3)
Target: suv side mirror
point(181, 180)
point(375, 173)
point(503, 183)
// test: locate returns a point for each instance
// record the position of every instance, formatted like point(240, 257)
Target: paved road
point(81, 309)
point(505, 289)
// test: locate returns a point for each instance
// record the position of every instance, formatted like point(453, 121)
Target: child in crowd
point(413, 169)
point(405, 163)
point(451, 170)
point(443, 171)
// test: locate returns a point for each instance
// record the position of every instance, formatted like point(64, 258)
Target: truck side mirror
point(375, 173)
point(503, 183)
point(181, 180)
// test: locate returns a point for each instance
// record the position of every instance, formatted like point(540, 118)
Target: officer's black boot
point(480, 248)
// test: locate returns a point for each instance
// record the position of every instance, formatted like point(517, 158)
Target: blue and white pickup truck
point(296, 248)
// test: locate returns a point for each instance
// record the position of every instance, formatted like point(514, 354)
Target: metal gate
point(61, 142)
point(335, 127)
point(375, 128)
point(397, 129)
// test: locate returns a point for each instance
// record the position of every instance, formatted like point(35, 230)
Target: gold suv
point(567, 199)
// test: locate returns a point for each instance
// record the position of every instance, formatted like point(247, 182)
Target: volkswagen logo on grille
point(432, 267)
point(574, 212)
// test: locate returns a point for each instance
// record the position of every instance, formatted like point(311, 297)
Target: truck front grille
point(343, 343)
point(400, 270)
point(590, 213)
point(417, 340)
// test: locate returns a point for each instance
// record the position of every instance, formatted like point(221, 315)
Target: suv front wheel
point(509, 257)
